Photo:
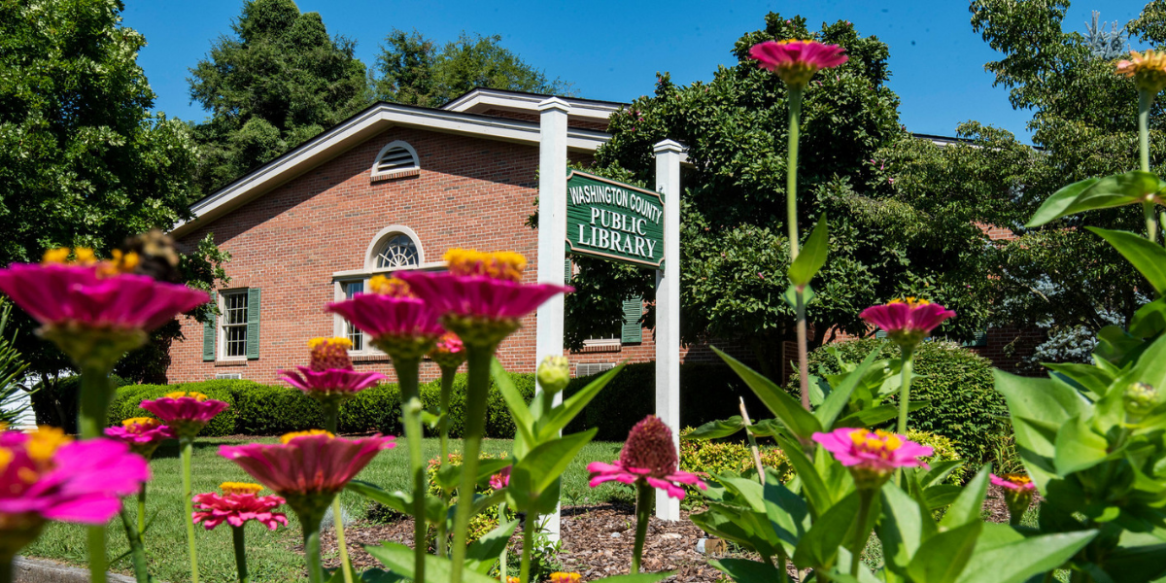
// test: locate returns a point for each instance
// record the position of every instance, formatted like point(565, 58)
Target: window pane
point(398, 251)
point(356, 336)
point(237, 341)
point(237, 308)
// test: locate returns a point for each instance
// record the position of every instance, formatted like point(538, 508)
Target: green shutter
point(633, 332)
point(209, 333)
point(253, 323)
point(881, 334)
point(980, 341)
point(567, 271)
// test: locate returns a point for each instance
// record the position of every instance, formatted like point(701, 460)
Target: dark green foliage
point(412, 69)
point(734, 241)
point(55, 401)
point(707, 393)
point(277, 82)
point(964, 405)
point(258, 409)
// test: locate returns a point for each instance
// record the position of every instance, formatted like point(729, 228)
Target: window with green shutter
point(567, 271)
point(632, 332)
point(253, 323)
point(209, 333)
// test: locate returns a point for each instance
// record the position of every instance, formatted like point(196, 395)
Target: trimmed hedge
point(707, 393)
point(964, 405)
point(258, 409)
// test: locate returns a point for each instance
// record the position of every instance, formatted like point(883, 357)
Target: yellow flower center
point(330, 353)
point(140, 424)
point(6, 456)
point(911, 301)
point(880, 442)
point(180, 394)
point(121, 263)
point(60, 255)
point(389, 286)
point(45, 441)
point(240, 488)
point(288, 437)
point(561, 577)
point(1147, 68)
point(1018, 479)
point(505, 265)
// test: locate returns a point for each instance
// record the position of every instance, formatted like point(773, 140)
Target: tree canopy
point(279, 80)
point(734, 251)
point(412, 69)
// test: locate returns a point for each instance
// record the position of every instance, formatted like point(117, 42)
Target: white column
point(552, 236)
point(668, 309)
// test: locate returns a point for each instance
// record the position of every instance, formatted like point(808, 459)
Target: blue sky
point(612, 49)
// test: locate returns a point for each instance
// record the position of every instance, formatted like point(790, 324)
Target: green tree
point(82, 161)
point(277, 82)
point(1084, 117)
point(733, 247)
point(413, 70)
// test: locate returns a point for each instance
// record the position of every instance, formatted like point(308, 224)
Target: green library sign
point(615, 221)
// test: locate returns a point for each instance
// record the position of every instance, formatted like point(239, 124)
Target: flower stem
point(312, 549)
point(408, 371)
point(528, 526)
point(782, 566)
point(752, 442)
point(331, 422)
point(447, 376)
point(477, 388)
point(91, 422)
point(645, 495)
point(908, 356)
point(187, 444)
point(142, 511)
point(502, 556)
point(791, 219)
point(865, 496)
point(240, 553)
point(1145, 100)
point(6, 573)
point(137, 549)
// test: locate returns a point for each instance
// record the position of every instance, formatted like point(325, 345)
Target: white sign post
point(668, 309)
point(552, 237)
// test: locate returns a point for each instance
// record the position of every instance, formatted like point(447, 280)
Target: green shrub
point(499, 424)
point(964, 405)
point(375, 409)
point(707, 393)
point(275, 410)
point(126, 401)
point(943, 450)
point(56, 403)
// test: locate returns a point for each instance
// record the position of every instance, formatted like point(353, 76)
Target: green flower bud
point(554, 373)
point(1139, 399)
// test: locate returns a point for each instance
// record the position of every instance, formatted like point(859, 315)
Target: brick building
point(392, 187)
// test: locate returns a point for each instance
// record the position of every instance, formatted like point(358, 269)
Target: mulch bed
point(597, 542)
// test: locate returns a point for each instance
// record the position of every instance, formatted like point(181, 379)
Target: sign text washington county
point(614, 220)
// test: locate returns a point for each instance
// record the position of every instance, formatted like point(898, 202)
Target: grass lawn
point(270, 555)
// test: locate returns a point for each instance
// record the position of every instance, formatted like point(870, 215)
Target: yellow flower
point(561, 577)
point(1147, 68)
point(287, 437)
point(179, 394)
point(240, 488)
point(141, 422)
point(389, 286)
point(505, 265)
point(43, 442)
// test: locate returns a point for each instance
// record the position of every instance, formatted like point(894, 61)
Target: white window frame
point(340, 326)
point(414, 170)
point(222, 324)
point(382, 237)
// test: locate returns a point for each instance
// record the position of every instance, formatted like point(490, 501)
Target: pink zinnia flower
point(186, 412)
point(308, 463)
point(649, 455)
point(501, 479)
point(391, 315)
point(1014, 482)
point(142, 434)
point(796, 61)
point(238, 504)
point(908, 321)
point(45, 475)
point(330, 374)
point(872, 455)
point(449, 352)
point(91, 296)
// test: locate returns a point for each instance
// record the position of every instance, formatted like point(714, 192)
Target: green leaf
point(745, 571)
point(541, 466)
point(938, 472)
point(840, 396)
point(1147, 257)
point(400, 501)
point(1004, 556)
point(802, 423)
point(1093, 193)
point(943, 557)
point(903, 529)
point(716, 429)
point(813, 487)
point(872, 416)
point(819, 547)
point(399, 558)
point(514, 401)
point(941, 495)
point(1136, 564)
point(970, 502)
point(484, 552)
point(813, 255)
point(638, 578)
point(1083, 377)
point(788, 512)
point(1151, 366)
point(1078, 447)
point(1149, 320)
point(562, 415)
point(1117, 346)
point(791, 298)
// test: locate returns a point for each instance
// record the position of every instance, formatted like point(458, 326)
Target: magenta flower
point(480, 296)
point(1014, 482)
point(308, 463)
point(796, 61)
point(649, 455)
point(501, 479)
point(142, 434)
point(872, 456)
point(330, 374)
point(386, 316)
point(45, 475)
point(908, 321)
point(79, 295)
point(239, 503)
point(186, 412)
point(1018, 493)
point(449, 352)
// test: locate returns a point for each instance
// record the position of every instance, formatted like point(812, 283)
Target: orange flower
point(1148, 70)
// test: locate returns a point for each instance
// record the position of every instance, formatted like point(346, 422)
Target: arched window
point(398, 250)
point(396, 160)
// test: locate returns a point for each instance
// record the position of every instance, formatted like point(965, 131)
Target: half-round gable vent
point(395, 160)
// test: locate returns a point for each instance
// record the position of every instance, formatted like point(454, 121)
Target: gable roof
point(481, 100)
point(355, 130)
